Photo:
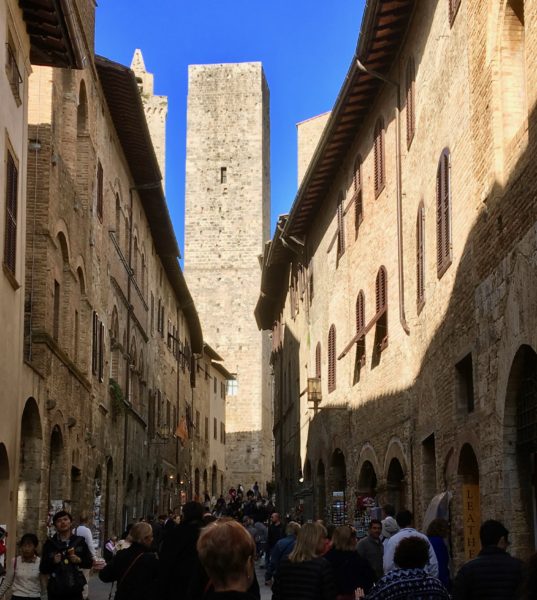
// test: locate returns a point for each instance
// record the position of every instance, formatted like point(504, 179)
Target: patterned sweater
point(402, 584)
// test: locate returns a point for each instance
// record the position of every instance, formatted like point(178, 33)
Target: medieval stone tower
point(227, 223)
point(155, 108)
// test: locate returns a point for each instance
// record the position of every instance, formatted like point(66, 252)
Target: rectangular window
point(10, 231)
point(100, 191)
point(232, 387)
point(56, 315)
point(12, 69)
point(465, 382)
point(223, 174)
point(215, 428)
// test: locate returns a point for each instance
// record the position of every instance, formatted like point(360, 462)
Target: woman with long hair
point(23, 577)
point(305, 574)
point(353, 574)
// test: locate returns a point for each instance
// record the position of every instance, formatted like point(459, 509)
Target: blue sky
point(305, 46)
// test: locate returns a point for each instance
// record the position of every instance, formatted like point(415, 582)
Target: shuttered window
point(100, 191)
point(380, 166)
point(318, 360)
point(410, 101)
point(332, 359)
point(358, 206)
point(10, 231)
point(360, 312)
point(380, 290)
point(101, 351)
point(443, 213)
point(420, 258)
point(453, 9)
point(340, 225)
point(381, 298)
point(95, 343)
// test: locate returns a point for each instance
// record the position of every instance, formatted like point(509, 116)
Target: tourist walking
point(281, 550)
point(135, 569)
point(493, 574)
point(226, 552)
point(23, 578)
point(438, 532)
point(84, 531)
point(371, 547)
point(404, 521)
point(409, 579)
point(63, 557)
point(305, 574)
point(352, 573)
point(275, 532)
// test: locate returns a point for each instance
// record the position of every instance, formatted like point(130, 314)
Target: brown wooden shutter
point(358, 208)
point(379, 157)
point(443, 213)
point(10, 234)
point(318, 360)
point(332, 359)
point(410, 110)
point(360, 312)
point(420, 262)
point(100, 191)
point(340, 225)
point(380, 290)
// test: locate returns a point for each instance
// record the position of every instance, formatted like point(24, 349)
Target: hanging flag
point(182, 431)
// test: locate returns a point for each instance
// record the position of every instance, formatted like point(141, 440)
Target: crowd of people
point(205, 554)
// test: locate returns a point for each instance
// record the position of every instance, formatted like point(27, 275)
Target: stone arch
point(5, 502)
point(57, 466)
point(367, 453)
point(31, 452)
point(338, 470)
point(467, 497)
point(519, 451)
point(395, 469)
point(395, 450)
point(367, 480)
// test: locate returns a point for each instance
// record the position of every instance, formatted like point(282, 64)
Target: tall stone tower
point(227, 223)
point(155, 108)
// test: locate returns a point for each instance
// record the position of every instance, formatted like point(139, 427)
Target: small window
point(223, 174)
point(100, 191)
point(358, 205)
point(380, 166)
point(465, 381)
point(332, 359)
point(10, 229)
point(410, 101)
point(443, 213)
point(340, 225)
point(420, 257)
point(453, 9)
point(232, 387)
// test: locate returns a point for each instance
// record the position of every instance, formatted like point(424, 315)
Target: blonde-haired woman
point(305, 574)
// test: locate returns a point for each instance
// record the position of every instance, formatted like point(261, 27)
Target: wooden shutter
point(410, 106)
point(94, 343)
point(318, 360)
point(10, 232)
point(380, 290)
point(420, 259)
point(340, 225)
point(379, 157)
point(358, 208)
point(443, 213)
point(360, 312)
point(332, 359)
point(100, 191)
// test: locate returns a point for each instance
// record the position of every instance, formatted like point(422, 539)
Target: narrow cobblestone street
point(101, 591)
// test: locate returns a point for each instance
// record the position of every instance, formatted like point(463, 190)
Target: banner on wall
point(471, 516)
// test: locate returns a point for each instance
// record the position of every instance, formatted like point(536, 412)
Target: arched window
point(420, 257)
point(410, 101)
point(381, 302)
point(332, 359)
point(443, 213)
point(318, 360)
point(340, 224)
point(358, 205)
point(380, 166)
point(513, 69)
point(360, 311)
point(453, 9)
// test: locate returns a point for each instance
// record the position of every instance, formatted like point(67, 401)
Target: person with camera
point(63, 558)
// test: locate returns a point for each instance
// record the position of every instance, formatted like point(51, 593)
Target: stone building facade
point(109, 334)
point(226, 225)
point(25, 41)
point(399, 289)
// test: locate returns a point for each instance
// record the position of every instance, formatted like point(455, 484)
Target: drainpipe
point(399, 194)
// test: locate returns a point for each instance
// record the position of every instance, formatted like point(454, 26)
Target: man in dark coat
point(136, 568)
point(276, 531)
point(178, 554)
point(63, 557)
point(493, 574)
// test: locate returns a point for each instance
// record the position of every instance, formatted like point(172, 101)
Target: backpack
point(67, 579)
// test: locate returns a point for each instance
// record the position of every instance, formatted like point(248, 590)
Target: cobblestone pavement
point(101, 591)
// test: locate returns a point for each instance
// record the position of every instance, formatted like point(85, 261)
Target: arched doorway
point(520, 452)
point(4, 485)
point(468, 483)
point(56, 492)
point(338, 487)
point(320, 491)
point(29, 490)
point(214, 481)
point(395, 485)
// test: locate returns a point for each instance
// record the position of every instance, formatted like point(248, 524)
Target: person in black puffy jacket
point(493, 574)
